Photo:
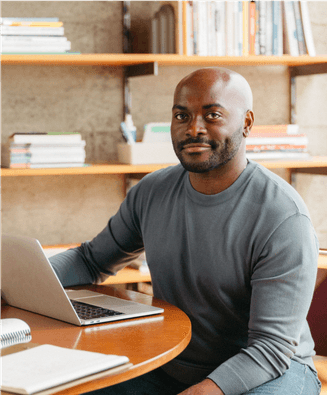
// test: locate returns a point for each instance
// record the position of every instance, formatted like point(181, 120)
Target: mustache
point(196, 140)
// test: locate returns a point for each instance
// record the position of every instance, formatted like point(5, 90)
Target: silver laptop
point(30, 283)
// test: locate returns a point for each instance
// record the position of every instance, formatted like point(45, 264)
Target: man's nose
point(196, 126)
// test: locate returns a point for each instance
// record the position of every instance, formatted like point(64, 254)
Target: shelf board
point(314, 162)
point(93, 169)
point(161, 59)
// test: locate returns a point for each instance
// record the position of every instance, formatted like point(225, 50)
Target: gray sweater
point(241, 264)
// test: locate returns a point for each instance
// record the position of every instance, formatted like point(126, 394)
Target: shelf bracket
point(142, 69)
point(308, 69)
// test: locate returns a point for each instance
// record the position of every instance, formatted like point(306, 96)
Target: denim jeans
point(298, 380)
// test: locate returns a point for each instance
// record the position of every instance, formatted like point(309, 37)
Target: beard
point(221, 152)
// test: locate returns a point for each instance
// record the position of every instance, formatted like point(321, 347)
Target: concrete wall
point(90, 100)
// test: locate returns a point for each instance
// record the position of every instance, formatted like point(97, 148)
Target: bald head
point(235, 86)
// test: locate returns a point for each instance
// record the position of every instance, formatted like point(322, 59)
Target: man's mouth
point(195, 147)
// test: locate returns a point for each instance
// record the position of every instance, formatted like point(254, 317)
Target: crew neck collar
point(220, 197)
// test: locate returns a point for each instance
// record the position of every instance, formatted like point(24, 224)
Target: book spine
point(211, 29)
point(195, 28)
point(221, 40)
point(48, 40)
point(308, 38)
point(245, 51)
point(299, 28)
point(238, 23)
point(32, 31)
point(252, 27)
point(5, 19)
point(202, 26)
point(229, 29)
point(291, 28)
point(262, 26)
point(189, 28)
point(269, 29)
point(257, 28)
point(275, 28)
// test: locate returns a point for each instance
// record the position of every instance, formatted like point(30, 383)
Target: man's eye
point(180, 117)
point(213, 115)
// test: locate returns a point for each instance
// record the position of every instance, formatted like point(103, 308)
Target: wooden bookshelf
point(160, 59)
point(314, 165)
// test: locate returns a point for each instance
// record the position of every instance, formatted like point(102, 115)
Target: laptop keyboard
point(87, 311)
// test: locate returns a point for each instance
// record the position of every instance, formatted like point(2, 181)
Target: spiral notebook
point(13, 331)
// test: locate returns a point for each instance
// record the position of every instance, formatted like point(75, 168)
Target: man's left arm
point(282, 285)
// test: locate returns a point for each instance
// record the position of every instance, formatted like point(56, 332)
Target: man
point(227, 241)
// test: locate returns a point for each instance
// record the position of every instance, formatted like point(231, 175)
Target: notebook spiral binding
point(12, 340)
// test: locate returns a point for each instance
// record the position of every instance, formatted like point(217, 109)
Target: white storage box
point(147, 153)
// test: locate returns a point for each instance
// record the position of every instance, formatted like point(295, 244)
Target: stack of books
point(276, 142)
point(241, 28)
point(33, 36)
point(43, 150)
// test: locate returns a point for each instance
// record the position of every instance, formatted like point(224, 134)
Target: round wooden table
point(148, 342)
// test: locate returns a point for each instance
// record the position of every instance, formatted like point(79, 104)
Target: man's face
point(207, 125)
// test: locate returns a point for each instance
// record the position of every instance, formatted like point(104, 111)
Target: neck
point(217, 180)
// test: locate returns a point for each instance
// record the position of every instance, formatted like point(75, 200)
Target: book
point(14, 331)
point(277, 155)
point(220, 28)
point(229, 28)
point(245, 9)
point(13, 48)
point(45, 138)
point(5, 19)
point(202, 38)
point(290, 26)
point(299, 28)
point(47, 40)
point(252, 27)
point(48, 366)
point(262, 26)
point(269, 28)
point(277, 38)
point(271, 129)
point(238, 23)
point(31, 31)
point(307, 32)
point(32, 23)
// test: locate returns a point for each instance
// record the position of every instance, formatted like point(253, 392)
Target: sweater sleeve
point(119, 243)
point(282, 282)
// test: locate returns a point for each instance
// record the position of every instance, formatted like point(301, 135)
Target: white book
point(277, 43)
point(202, 29)
point(195, 28)
point(307, 29)
point(220, 20)
point(48, 40)
point(38, 138)
point(299, 28)
point(9, 19)
point(269, 28)
point(229, 28)
point(47, 366)
point(277, 155)
point(189, 29)
point(31, 31)
point(293, 140)
point(211, 29)
point(262, 26)
point(291, 34)
point(238, 24)
point(73, 158)
point(10, 48)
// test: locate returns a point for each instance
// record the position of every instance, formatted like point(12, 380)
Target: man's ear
point(248, 123)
